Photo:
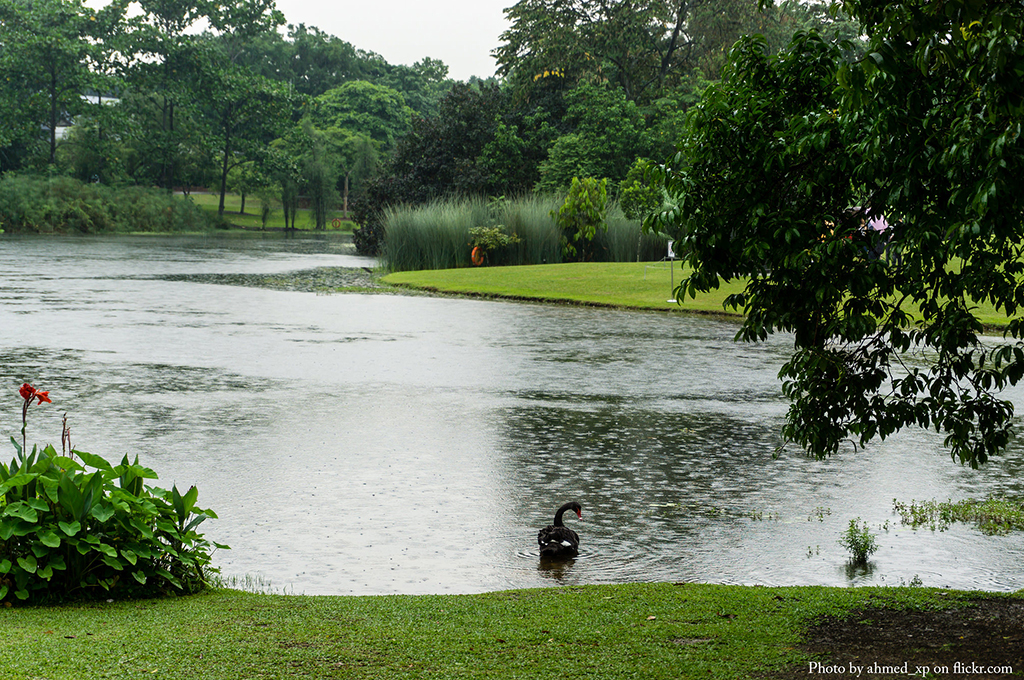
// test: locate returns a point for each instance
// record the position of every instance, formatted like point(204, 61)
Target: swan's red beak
point(579, 513)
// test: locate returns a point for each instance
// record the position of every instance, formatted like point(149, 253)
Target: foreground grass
point(633, 285)
point(624, 631)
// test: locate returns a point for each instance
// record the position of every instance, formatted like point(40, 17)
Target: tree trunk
point(54, 114)
point(346, 195)
point(224, 167)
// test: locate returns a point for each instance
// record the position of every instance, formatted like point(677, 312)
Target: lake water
point(362, 444)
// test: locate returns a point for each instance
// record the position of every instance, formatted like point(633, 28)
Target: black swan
point(557, 540)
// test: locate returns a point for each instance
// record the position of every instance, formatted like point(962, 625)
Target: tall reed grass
point(436, 235)
point(433, 236)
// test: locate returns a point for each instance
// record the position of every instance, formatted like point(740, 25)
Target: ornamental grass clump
point(73, 526)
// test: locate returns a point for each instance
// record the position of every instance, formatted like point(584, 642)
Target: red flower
point(27, 392)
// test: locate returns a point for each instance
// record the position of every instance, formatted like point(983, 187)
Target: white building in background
point(92, 99)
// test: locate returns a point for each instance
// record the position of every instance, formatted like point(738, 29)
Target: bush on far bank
point(64, 205)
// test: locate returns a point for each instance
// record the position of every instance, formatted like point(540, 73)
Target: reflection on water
point(379, 444)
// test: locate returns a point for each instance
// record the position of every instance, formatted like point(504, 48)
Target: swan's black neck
point(561, 511)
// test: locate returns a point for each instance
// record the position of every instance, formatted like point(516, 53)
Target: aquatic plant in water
point(993, 516)
point(70, 532)
point(859, 540)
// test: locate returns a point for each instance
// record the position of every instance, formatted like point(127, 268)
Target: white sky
point(461, 33)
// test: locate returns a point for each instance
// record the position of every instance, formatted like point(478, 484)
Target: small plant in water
point(820, 513)
point(859, 540)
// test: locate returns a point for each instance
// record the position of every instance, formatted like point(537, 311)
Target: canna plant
point(77, 528)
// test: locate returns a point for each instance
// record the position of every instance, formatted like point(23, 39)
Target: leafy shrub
point(859, 540)
point(637, 195)
point(68, 531)
point(63, 205)
point(582, 214)
point(490, 240)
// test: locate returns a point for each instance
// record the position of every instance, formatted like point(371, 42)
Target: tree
point(362, 107)
point(786, 159)
point(46, 51)
point(170, 62)
point(307, 159)
point(422, 85)
point(359, 162)
point(609, 133)
point(640, 46)
point(246, 112)
point(315, 62)
point(438, 157)
point(638, 197)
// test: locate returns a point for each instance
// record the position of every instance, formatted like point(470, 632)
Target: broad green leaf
point(21, 594)
point(28, 563)
point(22, 510)
point(179, 503)
point(49, 539)
point(71, 528)
point(129, 556)
point(92, 461)
point(37, 504)
point(145, 530)
point(189, 499)
point(102, 512)
point(57, 563)
point(5, 567)
point(67, 463)
point(3, 592)
point(113, 562)
point(139, 576)
point(70, 497)
point(107, 550)
point(142, 550)
point(169, 577)
point(45, 573)
point(20, 527)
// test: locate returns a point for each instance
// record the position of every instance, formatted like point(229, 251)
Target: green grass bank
point(630, 285)
point(651, 631)
point(251, 218)
point(633, 285)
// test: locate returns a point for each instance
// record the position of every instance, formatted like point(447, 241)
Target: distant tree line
point(124, 98)
point(144, 97)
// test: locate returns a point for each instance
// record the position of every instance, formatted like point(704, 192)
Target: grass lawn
point(651, 631)
point(251, 218)
point(635, 285)
point(638, 285)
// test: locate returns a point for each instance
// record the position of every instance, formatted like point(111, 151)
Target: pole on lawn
point(671, 273)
